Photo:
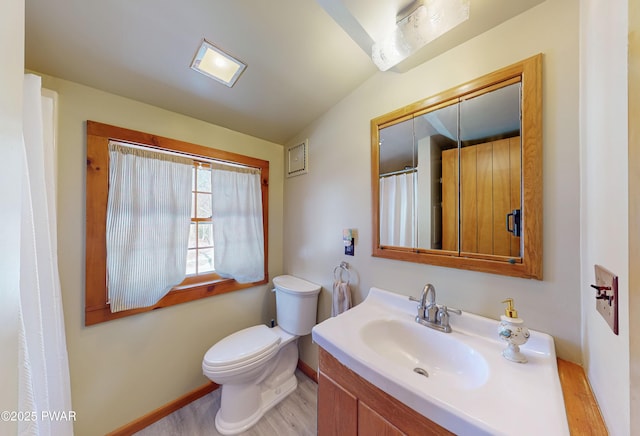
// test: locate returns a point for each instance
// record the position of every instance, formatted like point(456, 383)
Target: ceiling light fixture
point(214, 63)
point(417, 25)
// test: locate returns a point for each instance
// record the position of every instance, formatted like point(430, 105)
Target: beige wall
point(634, 212)
point(336, 192)
point(11, 77)
point(123, 369)
point(604, 200)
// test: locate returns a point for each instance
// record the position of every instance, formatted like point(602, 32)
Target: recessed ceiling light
point(214, 63)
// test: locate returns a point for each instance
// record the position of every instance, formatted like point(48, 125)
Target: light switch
point(607, 296)
point(348, 238)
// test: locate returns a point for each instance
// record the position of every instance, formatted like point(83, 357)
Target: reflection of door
point(490, 189)
point(450, 199)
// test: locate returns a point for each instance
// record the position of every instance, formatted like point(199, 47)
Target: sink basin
point(425, 352)
point(459, 380)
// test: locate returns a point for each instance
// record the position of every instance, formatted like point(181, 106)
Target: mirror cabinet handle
point(515, 214)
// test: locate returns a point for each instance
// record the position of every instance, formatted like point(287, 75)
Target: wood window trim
point(97, 309)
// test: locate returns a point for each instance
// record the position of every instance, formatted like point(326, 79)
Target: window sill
point(180, 294)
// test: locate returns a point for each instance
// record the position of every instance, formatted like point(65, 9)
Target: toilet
point(255, 367)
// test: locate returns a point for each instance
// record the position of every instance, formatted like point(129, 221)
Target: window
point(200, 251)
point(201, 281)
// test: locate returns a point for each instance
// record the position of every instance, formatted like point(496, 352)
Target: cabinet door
point(337, 409)
point(370, 423)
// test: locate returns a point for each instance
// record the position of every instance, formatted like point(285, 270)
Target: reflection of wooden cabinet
point(348, 405)
point(489, 190)
point(450, 199)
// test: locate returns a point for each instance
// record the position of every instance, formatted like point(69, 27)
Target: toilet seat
point(255, 367)
point(242, 348)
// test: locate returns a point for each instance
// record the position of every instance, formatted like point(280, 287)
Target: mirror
point(456, 178)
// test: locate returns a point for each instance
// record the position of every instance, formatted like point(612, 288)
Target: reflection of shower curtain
point(397, 206)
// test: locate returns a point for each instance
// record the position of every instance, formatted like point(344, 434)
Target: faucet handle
point(443, 317)
point(417, 300)
point(451, 309)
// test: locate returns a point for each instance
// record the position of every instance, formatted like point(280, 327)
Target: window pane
point(192, 236)
point(191, 262)
point(204, 179)
point(205, 260)
point(204, 206)
point(205, 235)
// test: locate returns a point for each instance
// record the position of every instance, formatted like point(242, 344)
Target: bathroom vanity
point(379, 369)
point(349, 405)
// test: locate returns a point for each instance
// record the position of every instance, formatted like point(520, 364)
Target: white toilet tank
point(296, 304)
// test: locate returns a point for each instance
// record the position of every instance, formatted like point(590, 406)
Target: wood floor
point(293, 416)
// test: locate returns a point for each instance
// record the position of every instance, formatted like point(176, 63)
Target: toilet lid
point(244, 346)
point(295, 285)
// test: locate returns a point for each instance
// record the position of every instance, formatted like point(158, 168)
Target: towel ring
point(337, 272)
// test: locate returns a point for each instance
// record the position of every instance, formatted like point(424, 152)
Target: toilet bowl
point(255, 367)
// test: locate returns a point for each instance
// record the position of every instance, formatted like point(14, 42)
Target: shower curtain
point(44, 387)
point(397, 210)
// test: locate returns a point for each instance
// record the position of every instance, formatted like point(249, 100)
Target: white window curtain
point(44, 367)
point(397, 206)
point(148, 218)
point(238, 236)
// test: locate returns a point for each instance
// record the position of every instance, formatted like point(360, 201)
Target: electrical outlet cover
point(608, 307)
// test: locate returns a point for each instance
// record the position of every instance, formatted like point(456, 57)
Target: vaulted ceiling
point(303, 56)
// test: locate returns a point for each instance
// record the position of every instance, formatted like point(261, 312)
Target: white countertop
point(476, 391)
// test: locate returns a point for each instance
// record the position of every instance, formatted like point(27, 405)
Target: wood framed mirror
point(457, 177)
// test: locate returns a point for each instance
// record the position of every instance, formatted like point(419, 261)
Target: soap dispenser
point(513, 331)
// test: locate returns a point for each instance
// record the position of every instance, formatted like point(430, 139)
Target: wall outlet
point(607, 296)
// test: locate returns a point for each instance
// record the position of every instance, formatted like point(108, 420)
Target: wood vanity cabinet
point(348, 405)
point(490, 189)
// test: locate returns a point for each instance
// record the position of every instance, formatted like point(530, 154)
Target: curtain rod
point(395, 173)
point(195, 157)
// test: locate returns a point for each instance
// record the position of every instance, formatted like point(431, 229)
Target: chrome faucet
point(427, 309)
point(430, 314)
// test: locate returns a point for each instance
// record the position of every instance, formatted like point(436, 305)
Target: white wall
point(634, 212)
point(604, 197)
point(11, 76)
point(336, 192)
point(123, 369)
